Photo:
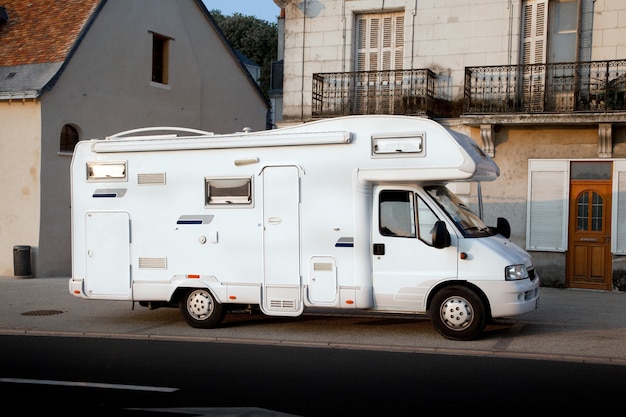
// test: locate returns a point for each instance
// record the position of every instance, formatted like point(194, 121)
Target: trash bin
point(21, 261)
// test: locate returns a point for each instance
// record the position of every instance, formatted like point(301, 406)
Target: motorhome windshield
point(466, 220)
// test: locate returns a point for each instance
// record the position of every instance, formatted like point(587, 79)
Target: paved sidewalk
point(574, 325)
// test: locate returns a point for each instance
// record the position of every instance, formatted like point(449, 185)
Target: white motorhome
point(345, 213)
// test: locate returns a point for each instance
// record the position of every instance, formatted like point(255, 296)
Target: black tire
point(458, 313)
point(200, 310)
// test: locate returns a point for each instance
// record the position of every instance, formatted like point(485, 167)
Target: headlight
point(515, 272)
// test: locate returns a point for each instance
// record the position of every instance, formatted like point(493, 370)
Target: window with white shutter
point(379, 54)
point(380, 41)
point(534, 33)
point(548, 205)
point(534, 41)
point(618, 226)
point(548, 194)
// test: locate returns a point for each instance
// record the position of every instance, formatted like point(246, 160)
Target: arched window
point(69, 138)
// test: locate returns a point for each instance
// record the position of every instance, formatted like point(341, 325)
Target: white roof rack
point(143, 130)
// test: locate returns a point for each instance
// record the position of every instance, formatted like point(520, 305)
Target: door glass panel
point(596, 212)
point(583, 211)
point(591, 170)
point(590, 211)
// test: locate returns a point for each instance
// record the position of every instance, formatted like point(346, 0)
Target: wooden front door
point(589, 262)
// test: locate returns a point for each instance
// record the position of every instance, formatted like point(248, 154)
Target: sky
point(261, 9)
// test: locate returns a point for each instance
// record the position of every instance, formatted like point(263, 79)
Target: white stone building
point(540, 84)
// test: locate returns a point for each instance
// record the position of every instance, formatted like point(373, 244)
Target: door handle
point(379, 248)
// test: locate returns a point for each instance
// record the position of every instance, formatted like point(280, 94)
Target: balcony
point(592, 87)
point(405, 92)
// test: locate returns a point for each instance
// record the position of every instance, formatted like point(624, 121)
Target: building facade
point(539, 84)
point(83, 69)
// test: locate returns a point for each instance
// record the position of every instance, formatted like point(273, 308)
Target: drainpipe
point(413, 36)
point(345, 29)
point(510, 7)
point(303, 54)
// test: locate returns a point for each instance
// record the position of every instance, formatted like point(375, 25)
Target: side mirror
point(440, 235)
point(503, 227)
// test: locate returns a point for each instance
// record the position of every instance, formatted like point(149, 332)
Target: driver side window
point(397, 210)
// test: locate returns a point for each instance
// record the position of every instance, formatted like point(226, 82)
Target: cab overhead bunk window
point(410, 144)
point(228, 191)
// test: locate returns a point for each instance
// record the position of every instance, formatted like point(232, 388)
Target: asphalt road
point(96, 376)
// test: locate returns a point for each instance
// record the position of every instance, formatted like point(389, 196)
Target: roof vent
point(4, 17)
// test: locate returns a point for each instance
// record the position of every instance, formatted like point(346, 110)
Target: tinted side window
point(396, 212)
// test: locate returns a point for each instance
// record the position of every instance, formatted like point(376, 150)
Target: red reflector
point(76, 292)
point(463, 255)
point(193, 276)
point(349, 302)
point(232, 297)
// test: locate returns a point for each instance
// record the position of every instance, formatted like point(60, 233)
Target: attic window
point(160, 58)
point(10, 75)
point(69, 138)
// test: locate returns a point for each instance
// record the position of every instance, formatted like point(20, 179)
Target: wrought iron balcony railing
point(407, 92)
point(598, 86)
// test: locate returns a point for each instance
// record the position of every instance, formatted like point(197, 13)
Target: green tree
point(255, 38)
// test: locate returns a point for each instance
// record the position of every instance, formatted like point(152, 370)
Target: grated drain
point(42, 312)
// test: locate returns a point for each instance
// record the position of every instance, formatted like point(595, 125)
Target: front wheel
point(200, 310)
point(458, 313)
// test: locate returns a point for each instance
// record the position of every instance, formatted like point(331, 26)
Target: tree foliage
point(255, 38)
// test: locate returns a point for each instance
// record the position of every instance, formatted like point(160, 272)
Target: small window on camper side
point(106, 171)
point(398, 145)
point(228, 191)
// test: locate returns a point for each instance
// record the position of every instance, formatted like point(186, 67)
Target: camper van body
point(293, 218)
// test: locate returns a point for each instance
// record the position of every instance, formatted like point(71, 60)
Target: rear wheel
point(458, 313)
point(200, 310)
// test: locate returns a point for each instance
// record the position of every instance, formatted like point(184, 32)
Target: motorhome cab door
point(405, 263)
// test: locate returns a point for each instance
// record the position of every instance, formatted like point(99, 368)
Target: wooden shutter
point(548, 201)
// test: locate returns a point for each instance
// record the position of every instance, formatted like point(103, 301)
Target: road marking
point(87, 384)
